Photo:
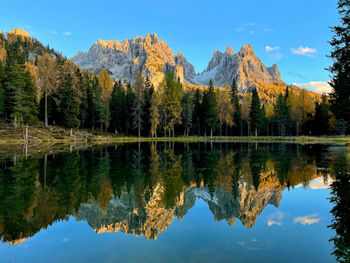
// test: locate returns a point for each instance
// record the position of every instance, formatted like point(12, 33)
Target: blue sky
point(292, 34)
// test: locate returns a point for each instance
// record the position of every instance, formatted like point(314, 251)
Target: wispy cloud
point(53, 32)
point(267, 29)
point(239, 29)
point(300, 76)
point(318, 183)
point(307, 220)
point(246, 26)
point(316, 86)
point(273, 52)
point(67, 33)
point(275, 219)
point(304, 51)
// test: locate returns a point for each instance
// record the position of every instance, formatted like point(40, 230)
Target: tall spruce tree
point(237, 119)
point(2, 89)
point(69, 106)
point(255, 113)
point(187, 112)
point(117, 108)
point(340, 70)
point(197, 113)
point(321, 120)
point(139, 89)
point(282, 115)
point(129, 105)
point(209, 109)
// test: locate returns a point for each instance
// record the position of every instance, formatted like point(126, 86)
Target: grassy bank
point(57, 135)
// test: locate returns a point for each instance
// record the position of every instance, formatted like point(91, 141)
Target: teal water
point(175, 202)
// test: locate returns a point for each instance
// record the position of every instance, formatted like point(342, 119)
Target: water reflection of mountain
point(141, 190)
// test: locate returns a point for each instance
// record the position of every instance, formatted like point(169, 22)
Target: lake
point(177, 202)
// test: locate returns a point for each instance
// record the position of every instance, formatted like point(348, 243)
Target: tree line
point(53, 90)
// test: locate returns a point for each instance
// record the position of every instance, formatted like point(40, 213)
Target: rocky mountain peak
point(246, 49)
point(229, 51)
point(19, 32)
point(188, 68)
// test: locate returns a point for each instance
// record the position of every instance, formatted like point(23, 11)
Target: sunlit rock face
point(152, 217)
point(154, 58)
point(123, 59)
point(245, 67)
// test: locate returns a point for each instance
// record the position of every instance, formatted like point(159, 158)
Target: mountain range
point(154, 58)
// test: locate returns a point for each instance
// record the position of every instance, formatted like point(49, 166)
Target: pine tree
point(255, 113)
point(129, 104)
point(340, 96)
point(139, 101)
point(209, 109)
point(69, 106)
point(118, 108)
point(237, 119)
point(2, 89)
point(282, 115)
point(155, 117)
point(321, 120)
point(172, 103)
point(187, 112)
point(148, 92)
point(197, 113)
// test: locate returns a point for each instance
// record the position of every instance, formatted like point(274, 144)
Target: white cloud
point(266, 29)
point(275, 219)
point(273, 52)
point(316, 86)
point(307, 220)
point(251, 32)
point(304, 51)
point(67, 33)
point(269, 49)
point(53, 32)
point(239, 29)
point(318, 183)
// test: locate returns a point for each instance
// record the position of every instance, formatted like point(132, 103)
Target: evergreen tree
point(155, 117)
point(129, 104)
point(282, 115)
point(255, 113)
point(148, 92)
point(340, 96)
point(209, 109)
point(197, 113)
point(139, 89)
point(2, 89)
point(321, 120)
point(237, 119)
point(187, 112)
point(172, 103)
point(117, 108)
point(69, 106)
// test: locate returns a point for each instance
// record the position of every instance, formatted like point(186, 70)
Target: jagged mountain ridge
point(153, 217)
point(154, 58)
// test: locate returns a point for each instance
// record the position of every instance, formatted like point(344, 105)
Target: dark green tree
point(118, 108)
point(187, 112)
point(209, 109)
point(129, 104)
point(340, 70)
point(237, 109)
point(282, 115)
point(255, 113)
point(197, 113)
point(69, 107)
point(321, 119)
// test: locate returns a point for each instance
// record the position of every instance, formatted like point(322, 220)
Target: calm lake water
point(176, 202)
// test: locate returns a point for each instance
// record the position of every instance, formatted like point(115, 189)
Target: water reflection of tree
point(36, 192)
point(340, 197)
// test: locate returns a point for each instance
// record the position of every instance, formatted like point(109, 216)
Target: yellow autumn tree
point(106, 84)
point(225, 107)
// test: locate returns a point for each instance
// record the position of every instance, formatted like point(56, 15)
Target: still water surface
point(175, 202)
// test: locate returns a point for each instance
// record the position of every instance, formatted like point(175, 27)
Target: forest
point(38, 84)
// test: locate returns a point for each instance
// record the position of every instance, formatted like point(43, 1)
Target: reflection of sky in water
point(295, 232)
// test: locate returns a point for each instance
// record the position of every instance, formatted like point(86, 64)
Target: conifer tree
point(69, 106)
point(282, 115)
point(255, 113)
point(237, 119)
point(340, 96)
point(139, 101)
point(197, 113)
point(187, 112)
point(129, 104)
point(2, 89)
point(155, 116)
point(321, 120)
point(209, 108)
point(117, 108)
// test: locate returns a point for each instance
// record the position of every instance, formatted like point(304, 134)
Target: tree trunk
point(45, 167)
point(71, 132)
point(15, 122)
point(46, 118)
point(115, 131)
point(256, 132)
point(26, 132)
point(211, 132)
point(226, 131)
point(101, 128)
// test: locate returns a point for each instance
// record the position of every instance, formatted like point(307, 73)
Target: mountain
point(123, 59)
point(244, 66)
point(153, 217)
point(154, 58)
